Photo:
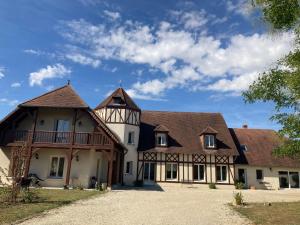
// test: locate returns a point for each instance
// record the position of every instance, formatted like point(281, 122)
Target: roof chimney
point(245, 126)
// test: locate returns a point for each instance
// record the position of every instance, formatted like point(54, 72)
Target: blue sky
point(169, 55)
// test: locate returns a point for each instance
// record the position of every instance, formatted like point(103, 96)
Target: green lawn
point(282, 213)
point(49, 199)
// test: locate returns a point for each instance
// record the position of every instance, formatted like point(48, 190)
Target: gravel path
point(172, 205)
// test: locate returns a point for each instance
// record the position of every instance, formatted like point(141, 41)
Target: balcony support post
point(70, 151)
point(30, 142)
point(110, 167)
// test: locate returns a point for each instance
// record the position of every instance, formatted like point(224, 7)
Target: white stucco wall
point(4, 163)
point(270, 176)
point(81, 170)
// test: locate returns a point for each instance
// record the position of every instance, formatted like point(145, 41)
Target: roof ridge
point(166, 111)
point(49, 92)
point(266, 129)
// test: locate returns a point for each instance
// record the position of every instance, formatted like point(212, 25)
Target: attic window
point(244, 148)
point(210, 141)
point(117, 100)
point(161, 139)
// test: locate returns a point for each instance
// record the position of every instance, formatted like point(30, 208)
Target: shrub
point(239, 185)
point(238, 198)
point(5, 194)
point(79, 187)
point(29, 196)
point(212, 186)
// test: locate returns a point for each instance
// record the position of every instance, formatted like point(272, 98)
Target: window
point(210, 141)
point(161, 139)
point(244, 148)
point(171, 170)
point(117, 100)
point(57, 167)
point(129, 165)
point(221, 173)
point(198, 172)
point(62, 127)
point(259, 175)
point(131, 137)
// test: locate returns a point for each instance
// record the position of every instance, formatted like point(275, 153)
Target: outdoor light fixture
point(36, 156)
point(42, 122)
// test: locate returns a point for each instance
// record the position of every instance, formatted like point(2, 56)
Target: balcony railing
point(55, 137)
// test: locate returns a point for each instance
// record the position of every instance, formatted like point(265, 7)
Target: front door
point(242, 176)
point(149, 172)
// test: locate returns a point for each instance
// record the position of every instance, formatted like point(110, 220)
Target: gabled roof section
point(63, 97)
point(260, 144)
point(161, 128)
point(119, 93)
point(183, 135)
point(208, 130)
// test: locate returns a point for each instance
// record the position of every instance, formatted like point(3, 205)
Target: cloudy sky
point(169, 55)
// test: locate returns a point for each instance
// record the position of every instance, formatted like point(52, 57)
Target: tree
point(281, 84)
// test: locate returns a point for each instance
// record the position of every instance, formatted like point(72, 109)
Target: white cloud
point(9, 102)
point(241, 7)
point(37, 52)
point(112, 15)
point(191, 19)
point(50, 72)
point(2, 71)
point(15, 85)
point(185, 61)
point(82, 59)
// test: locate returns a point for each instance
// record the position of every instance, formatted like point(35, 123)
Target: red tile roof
point(63, 97)
point(260, 143)
point(126, 100)
point(184, 129)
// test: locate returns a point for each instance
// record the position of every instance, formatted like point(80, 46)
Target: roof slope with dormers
point(63, 97)
point(184, 129)
point(126, 100)
point(260, 144)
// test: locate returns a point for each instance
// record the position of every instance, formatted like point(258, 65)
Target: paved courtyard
point(170, 205)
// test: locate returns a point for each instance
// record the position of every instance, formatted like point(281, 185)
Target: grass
point(281, 213)
point(49, 199)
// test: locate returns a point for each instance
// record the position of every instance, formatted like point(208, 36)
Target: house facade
point(66, 143)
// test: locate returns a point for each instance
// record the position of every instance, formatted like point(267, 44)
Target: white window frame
point(161, 137)
point(131, 133)
point(172, 170)
point(211, 141)
point(198, 179)
point(221, 175)
point(130, 163)
point(57, 167)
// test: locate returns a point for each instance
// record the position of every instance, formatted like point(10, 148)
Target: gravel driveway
point(172, 205)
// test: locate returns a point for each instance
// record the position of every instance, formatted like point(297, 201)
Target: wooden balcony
point(56, 139)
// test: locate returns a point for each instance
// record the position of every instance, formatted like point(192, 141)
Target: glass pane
point(174, 171)
point(152, 171)
point(218, 173)
point(207, 140)
point(294, 179)
point(168, 169)
point(195, 172)
point(146, 171)
point(283, 179)
point(241, 173)
point(201, 172)
point(53, 167)
point(61, 167)
point(224, 173)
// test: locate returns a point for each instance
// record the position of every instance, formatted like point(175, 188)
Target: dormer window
point(244, 148)
point(117, 100)
point(210, 141)
point(208, 138)
point(161, 139)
